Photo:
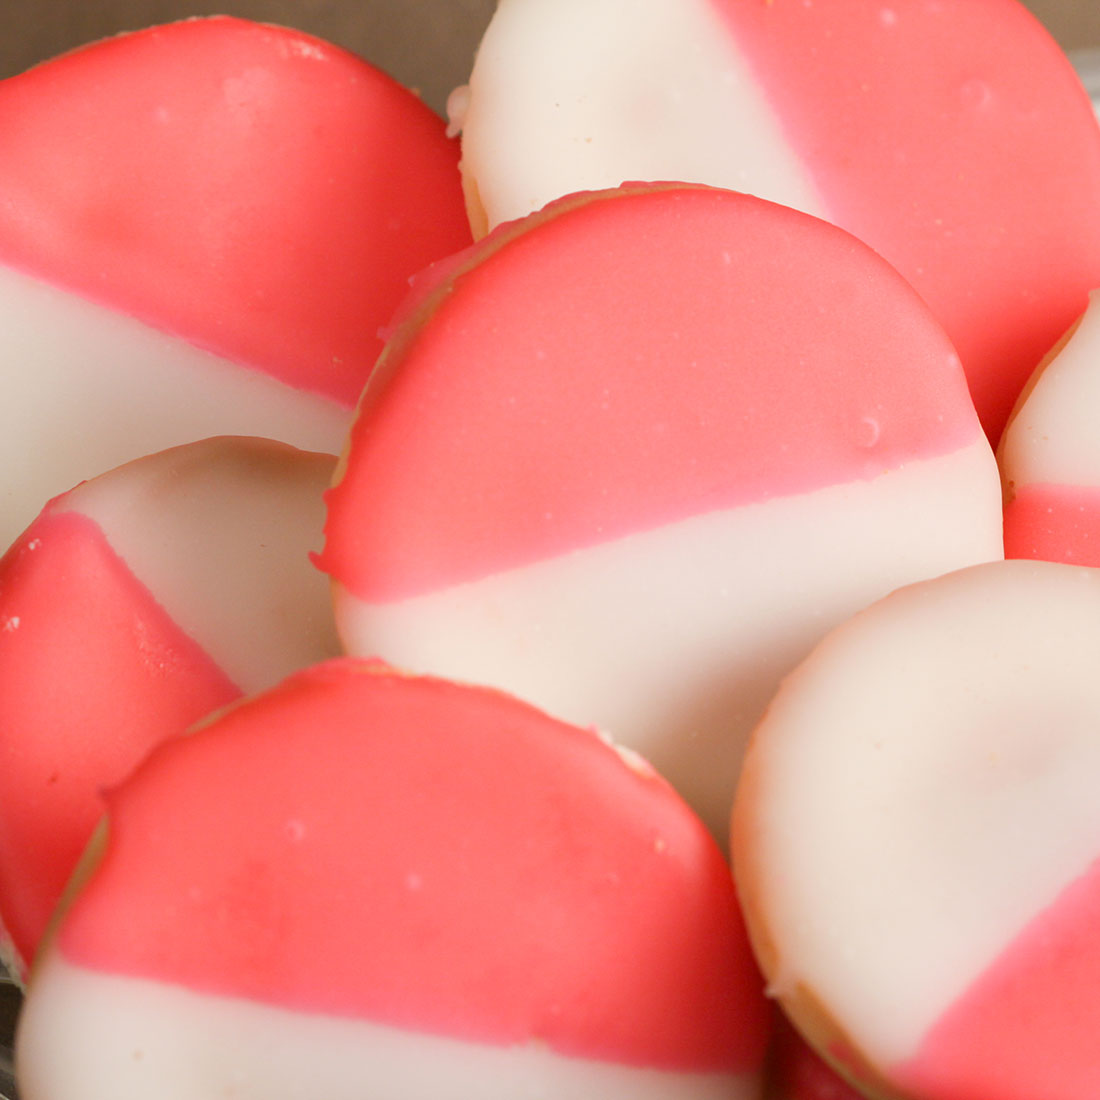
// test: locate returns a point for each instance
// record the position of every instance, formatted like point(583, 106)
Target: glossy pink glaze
point(92, 674)
point(633, 361)
point(1027, 1028)
point(253, 190)
point(1054, 523)
point(432, 857)
point(956, 140)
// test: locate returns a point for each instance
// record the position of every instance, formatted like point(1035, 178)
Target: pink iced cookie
point(1050, 454)
point(133, 606)
point(954, 138)
point(202, 228)
point(396, 887)
point(917, 834)
point(630, 459)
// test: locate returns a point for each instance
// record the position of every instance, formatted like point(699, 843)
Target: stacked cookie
point(749, 309)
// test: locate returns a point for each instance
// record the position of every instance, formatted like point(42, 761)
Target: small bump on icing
point(458, 103)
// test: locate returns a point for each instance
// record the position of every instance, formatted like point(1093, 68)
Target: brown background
point(426, 44)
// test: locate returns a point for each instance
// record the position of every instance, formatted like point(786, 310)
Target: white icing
point(570, 95)
point(674, 640)
point(220, 532)
point(86, 389)
point(1053, 437)
point(926, 784)
point(100, 1037)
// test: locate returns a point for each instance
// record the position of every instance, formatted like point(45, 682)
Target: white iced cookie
point(917, 832)
point(133, 606)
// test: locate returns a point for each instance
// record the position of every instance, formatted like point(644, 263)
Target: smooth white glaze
point(572, 95)
point(95, 1036)
point(920, 789)
point(86, 389)
point(673, 640)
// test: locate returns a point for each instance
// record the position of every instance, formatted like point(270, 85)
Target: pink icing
point(630, 361)
point(1027, 1028)
point(432, 857)
point(251, 189)
point(92, 674)
point(1054, 523)
point(957, 141)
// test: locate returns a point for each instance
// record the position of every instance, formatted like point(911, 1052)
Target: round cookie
point(133, 606)
point(202, 228)
point(954, 138)
point(1050, 454)
point(364, 883)
point(630, 458)
point(915, 838)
